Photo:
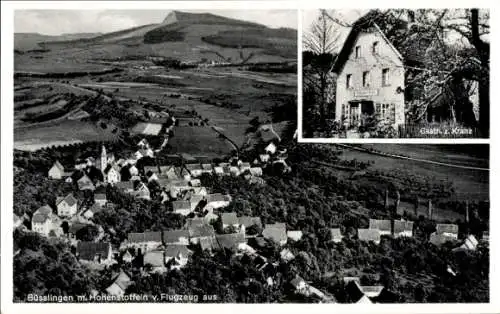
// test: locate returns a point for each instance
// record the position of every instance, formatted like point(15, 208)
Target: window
point(358, 52)
point(348, 81)
point(366, 79)
point(385, 77)
point(375, 48)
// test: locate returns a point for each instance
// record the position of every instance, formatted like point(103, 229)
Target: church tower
point(104, 159)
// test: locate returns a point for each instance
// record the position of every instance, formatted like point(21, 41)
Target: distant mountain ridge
point(188, 37)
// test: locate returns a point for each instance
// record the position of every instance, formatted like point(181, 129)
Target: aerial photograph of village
point(396, 73)
point(156, 159)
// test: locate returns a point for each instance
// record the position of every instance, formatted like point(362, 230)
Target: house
point(133, 171)
point(112, 174)
point(91, 211)
point(176, 237)
point(382, 225)
point(356, 294)
point(127, 257)
point(335, 235)
point(94, 252)
point(18, 222)
point(119, 285)
point(84, 183)
point(182, 207)
point(143, 143)
point(247, 222)
point(66, 206)
point(439, 239)
point(156, 261)
point(194, 169)
point(486, 236)
point(275, 232)
point(370, 77)
point(153, 177)
point(217, 200)
point(403, 228)
point(201, 190)
point(231, 241)
point(450, 230)
point(264, 157)
point(209, 217)
point(256, 171)
point(270, 149)
point(195, 200)
point(199, 232)
point(125, 186)
point(245, 166)
point(230, 220)
point(146, 241)
point(286, 255)
point(41, 222)
point(195, 183)
point(470, 244)
point(372, 291)
point(56, 171)
point(234, 171)
point(142, 191)
point(219, 171)
point(145, 152)
point(177, 256)
point(295, 235)
point(100, 199)
point(301, 287)
point(369, 235)
point(137, 155)
point(207, 168)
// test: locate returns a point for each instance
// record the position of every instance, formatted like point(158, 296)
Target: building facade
point(370, 79)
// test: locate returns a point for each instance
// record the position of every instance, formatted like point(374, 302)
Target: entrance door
point(354, 114)
point(367, 111)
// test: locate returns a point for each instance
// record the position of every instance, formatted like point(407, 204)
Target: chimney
point(398, 200)
point(429, 209)
point(467, 212)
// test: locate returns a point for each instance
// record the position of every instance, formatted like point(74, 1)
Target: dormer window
point(358, 52)
point(375, 48)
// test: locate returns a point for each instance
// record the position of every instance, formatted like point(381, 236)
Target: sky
point(56, 22)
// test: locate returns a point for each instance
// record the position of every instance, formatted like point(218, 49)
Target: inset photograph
point(395, 73)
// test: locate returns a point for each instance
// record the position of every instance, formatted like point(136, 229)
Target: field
point(199, 141)
point(468, 183)
point(62, 133)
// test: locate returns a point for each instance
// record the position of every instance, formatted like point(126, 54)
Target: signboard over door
point(365, 92)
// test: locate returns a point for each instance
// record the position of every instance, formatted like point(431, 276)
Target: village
point(182, 192)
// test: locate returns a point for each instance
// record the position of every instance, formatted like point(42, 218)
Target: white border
point(7, 153)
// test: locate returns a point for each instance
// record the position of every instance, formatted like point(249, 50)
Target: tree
point(322, 40)
point(87, 233)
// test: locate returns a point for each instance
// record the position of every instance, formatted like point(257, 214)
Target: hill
point(188, 37)
point(30, 41)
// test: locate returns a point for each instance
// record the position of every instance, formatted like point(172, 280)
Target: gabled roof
point(100, 196)
point(175, 250)
point(230, 241)
point(192, 167)
point(154, 258)
point(248, 221)
point(380, 224)
point(69, 199)
point(39, 218)
point(44, 210)
point(173, 236)
point(201, 231)
point(207, 167)
point(216, 197)
point(58, 165)
point(402, 226)
point(275, 232)
point(361, 24)
point(335, 233)
point(229, 219)
point(180, 205)
point(439, 238)
point(125, 185)
point(369, 235)
point(90, 250)
point(76, 226)
point(114, 167)
point(150, 236)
